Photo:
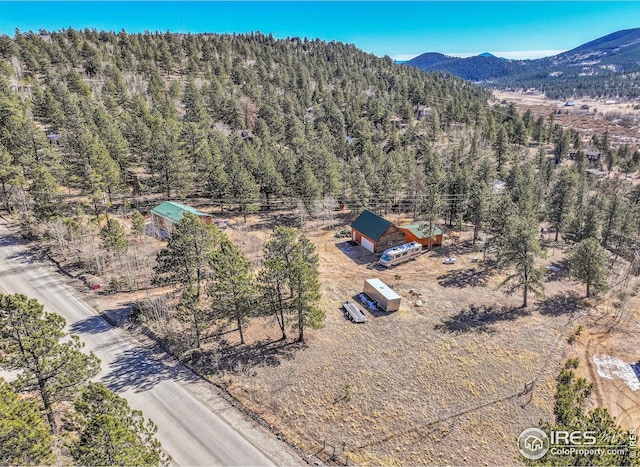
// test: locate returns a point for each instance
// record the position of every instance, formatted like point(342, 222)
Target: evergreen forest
point(93, 123)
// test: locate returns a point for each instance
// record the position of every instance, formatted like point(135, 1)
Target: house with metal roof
point(421, 233)
point(169, 213)
point(375, 233)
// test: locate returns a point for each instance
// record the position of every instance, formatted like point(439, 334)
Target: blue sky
point(399, 29)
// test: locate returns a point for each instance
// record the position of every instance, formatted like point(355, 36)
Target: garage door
point(368, 244)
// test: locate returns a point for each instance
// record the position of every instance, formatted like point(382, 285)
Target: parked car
point(449, 261)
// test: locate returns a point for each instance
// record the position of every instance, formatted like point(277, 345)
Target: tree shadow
point(480, 319)
point(560, 304)
point(119, 316)
point(269, 220)
point(459, 248)
point(240, 359)
point(23, 267)
point(142, 369)
point(461, 278)
point(91, 325)
point(13, 239)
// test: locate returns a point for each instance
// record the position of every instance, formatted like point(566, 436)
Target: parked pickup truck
point(353, 312)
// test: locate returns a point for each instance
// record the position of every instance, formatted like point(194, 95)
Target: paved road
point(195, 431)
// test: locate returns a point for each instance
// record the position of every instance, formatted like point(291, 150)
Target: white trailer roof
point(383, 288)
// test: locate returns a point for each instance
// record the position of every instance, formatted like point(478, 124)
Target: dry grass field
point(443, 383)
point(453, 381)
point(588, 116)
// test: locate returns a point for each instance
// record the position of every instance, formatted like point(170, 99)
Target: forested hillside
point(91, 120)
point(94, 122)
point(227, 117)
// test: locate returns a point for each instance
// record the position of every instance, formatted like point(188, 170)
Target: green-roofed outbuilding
point(169, 213)
point(420, 232)
point(375, 233)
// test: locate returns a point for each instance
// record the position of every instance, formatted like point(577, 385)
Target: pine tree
point(232, 287)
point(501, 148)
point(167, 164)
point(137, 222)
point(307, 187)
point(571, 415)
point(517, 249)
point(290, 280)
point(32, 343)
point(8, 175)
point(433, 188)
point(186, 261)
point(478, 211)
point(186, 257)
point(109, 432)
point(24, 437)
point(586, 222)
point(273, 290)
point(563, 198)
point(242, 186)
point(305, 287)
point(113, 237)
point(562, 144)
point(268, 177)
point(46, 195)
point(588, 264)
point(614, 212)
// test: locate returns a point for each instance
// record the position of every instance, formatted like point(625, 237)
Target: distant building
point(246, 134)
point(499, 186)
point(597, 173)
point(166, 215)
point(399, 123)
point(53, 138)
point(421, 111)
point(593, 156)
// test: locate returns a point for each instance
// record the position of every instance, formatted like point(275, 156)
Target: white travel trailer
point(400, 254)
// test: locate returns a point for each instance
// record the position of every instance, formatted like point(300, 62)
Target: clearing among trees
point(452, 381)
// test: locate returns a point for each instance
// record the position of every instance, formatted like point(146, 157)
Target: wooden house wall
point(391, 237)
point(410, 237)
point(160, 222)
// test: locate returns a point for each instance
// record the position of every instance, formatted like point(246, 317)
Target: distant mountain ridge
point(605, 67)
